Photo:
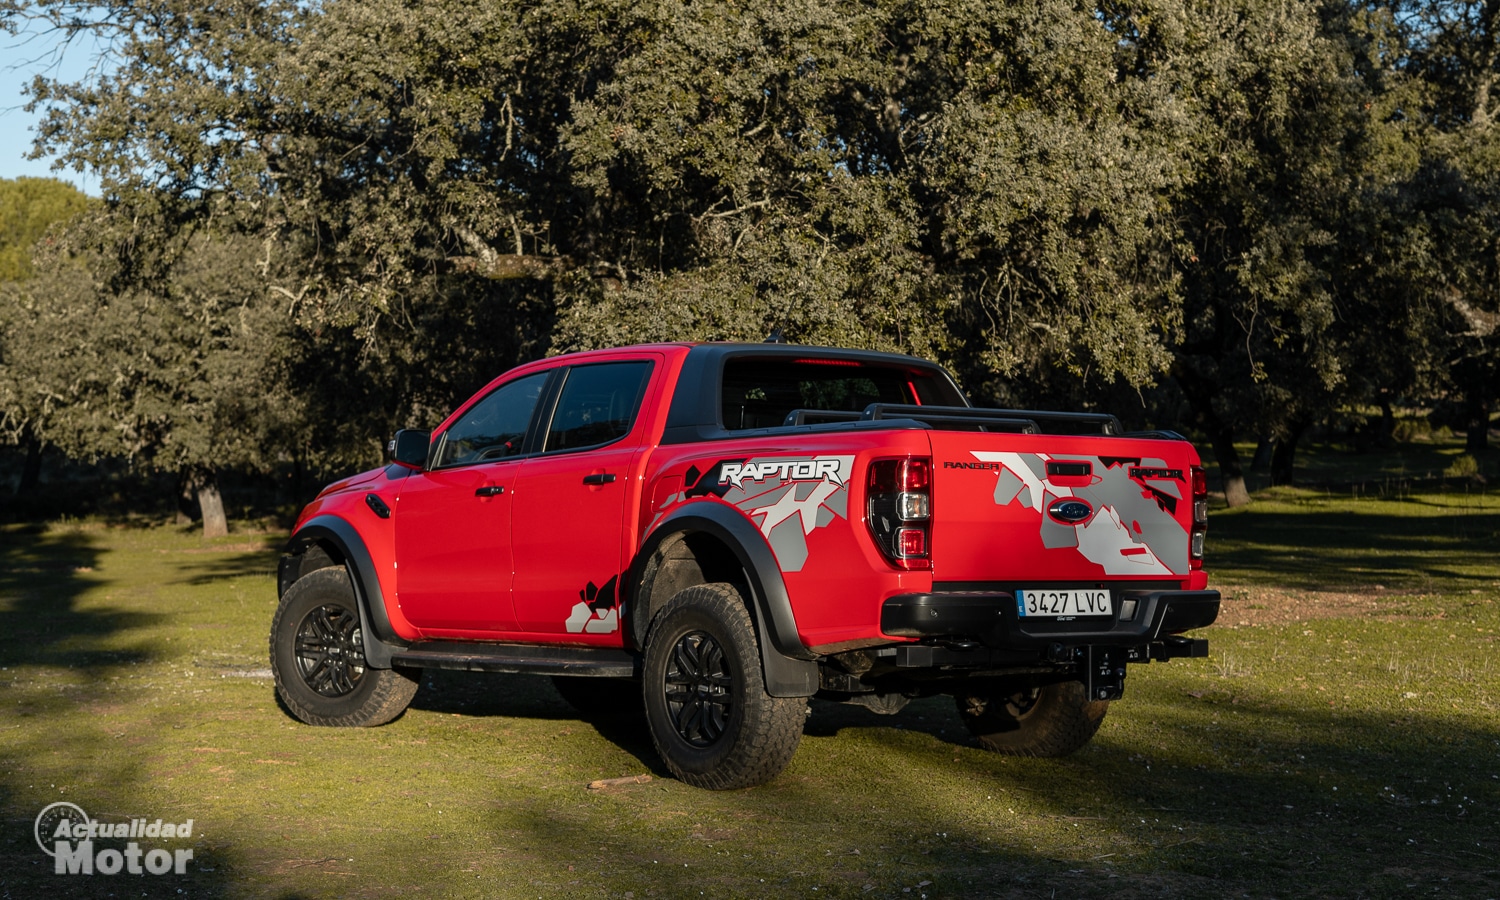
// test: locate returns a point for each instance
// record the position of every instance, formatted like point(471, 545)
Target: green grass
point(1444, 542)
point(1331, 757)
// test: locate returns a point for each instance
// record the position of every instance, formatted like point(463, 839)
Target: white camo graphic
point(789, 498)
point(1128, 534)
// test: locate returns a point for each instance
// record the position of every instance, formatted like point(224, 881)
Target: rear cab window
point(762, 393)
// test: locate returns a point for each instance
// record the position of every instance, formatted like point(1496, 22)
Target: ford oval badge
point(1070, 510)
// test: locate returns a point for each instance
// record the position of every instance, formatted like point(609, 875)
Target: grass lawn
point(1343, 739)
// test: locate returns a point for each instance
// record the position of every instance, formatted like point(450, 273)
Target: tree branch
point(1482, 324)
point(488, 263)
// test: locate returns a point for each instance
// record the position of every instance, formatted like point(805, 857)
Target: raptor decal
point(787, 497)
point(1133, 529)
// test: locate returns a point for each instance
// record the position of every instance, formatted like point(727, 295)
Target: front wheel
point(710, 716)
point(318, 657)
point(1053, 720)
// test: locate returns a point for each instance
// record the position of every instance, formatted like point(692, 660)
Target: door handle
point(599, 478)
point(489, 490)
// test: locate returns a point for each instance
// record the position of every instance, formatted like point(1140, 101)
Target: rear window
point(760, 393)
point(598, 405)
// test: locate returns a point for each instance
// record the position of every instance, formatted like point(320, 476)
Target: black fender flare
point(789, 668)
point(374, 623)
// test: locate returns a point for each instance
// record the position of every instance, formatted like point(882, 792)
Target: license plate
point(1054, 604)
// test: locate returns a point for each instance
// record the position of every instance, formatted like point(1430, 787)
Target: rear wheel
point(710, 716)
point(1053, 720)
point(318, 657)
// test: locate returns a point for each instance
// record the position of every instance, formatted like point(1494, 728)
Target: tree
point(1275, 121)
point(186, 375)
point(29, 207)
point(960, 179)
point(1444, 248)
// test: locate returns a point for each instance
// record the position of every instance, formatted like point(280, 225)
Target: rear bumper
point(991, 618)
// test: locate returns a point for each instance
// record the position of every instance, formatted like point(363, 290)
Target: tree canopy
point(28, 207)
point(1273, 210)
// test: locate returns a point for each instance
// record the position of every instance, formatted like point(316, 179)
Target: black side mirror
point(409, 448)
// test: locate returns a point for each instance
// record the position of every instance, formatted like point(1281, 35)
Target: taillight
point(1200, 518)
point(899, 510)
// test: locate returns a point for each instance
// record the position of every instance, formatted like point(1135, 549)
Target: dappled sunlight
point(1433, 547)
point(145, 691)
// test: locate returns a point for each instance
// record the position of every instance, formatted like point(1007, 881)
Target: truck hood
point(352, 481)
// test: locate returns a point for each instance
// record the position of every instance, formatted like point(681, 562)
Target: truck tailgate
point(1022, 509)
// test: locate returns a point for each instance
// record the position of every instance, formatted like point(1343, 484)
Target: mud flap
point(784, 676)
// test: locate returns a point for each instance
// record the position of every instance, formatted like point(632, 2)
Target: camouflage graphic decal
point(1133, 529)
point(787, 497)
point(598, 611)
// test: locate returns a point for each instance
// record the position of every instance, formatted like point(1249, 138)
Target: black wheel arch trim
point(375, 624)
point(789, 668)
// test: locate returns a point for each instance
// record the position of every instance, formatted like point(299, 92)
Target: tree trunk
point(187, 498)
point(1262, 459)
point(209, 500)
point(1284, 456)
point(1387, 436)
point(31, 471)
point(1235, 494)
point(1477, 421)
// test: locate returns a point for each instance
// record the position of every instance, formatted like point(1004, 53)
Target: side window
point(598, 404)
point(493, 428)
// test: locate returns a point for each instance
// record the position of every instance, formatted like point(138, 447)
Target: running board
point(605, 662)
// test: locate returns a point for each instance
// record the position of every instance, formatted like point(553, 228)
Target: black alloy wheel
point(706, 703)
point(1048, 720)
point(1018, 704)
point(699, 689)
point(318, 657)
point(330, 651)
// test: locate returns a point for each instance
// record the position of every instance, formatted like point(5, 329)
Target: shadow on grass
point(55, 661)
point(533, 697)
point(1281, 802)
point(228, 564)
point(42, 576)
point(1323, 549)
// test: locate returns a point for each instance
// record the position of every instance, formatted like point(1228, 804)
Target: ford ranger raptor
point(713, 533)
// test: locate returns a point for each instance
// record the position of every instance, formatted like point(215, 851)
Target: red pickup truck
point(716, 532)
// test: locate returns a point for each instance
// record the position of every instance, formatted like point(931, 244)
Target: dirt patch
point(1249, 606)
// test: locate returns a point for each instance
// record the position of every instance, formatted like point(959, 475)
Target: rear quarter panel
point(806, 496)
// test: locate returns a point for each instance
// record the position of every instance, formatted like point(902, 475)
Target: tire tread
point(772, 726)
point(393, 689)
point(1062, 722)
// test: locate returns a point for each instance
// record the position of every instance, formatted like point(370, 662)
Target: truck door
point(453, 520)
point(569, 513)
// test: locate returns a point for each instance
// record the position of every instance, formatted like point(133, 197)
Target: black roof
point(694, 415)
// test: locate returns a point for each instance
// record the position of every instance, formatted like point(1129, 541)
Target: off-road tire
point(600, 697)
point(1054, 720)
point(706, 703)
point(329, 683)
